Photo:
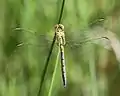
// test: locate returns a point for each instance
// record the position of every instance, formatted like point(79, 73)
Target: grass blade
point(54, 72)
point(46, 66)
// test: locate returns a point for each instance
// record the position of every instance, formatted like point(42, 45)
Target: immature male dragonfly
point(92, 35)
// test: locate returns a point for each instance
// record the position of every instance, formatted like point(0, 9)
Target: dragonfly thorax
point(60, 36)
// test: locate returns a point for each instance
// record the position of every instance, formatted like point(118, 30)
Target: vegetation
point(91, 52)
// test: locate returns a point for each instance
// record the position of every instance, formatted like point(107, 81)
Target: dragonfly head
point(59, 27)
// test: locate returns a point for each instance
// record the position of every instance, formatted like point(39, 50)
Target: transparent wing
point(77, 38)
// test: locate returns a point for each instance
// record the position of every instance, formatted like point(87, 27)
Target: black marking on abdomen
point(63, 68)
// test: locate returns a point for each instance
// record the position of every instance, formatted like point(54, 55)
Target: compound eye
point(56, 26)
point(61, 26)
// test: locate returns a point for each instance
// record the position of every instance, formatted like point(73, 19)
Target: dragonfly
point(93, 35)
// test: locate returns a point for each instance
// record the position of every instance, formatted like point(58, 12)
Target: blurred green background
point(92, 70)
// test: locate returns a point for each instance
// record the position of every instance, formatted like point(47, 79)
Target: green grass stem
point(54, 73)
